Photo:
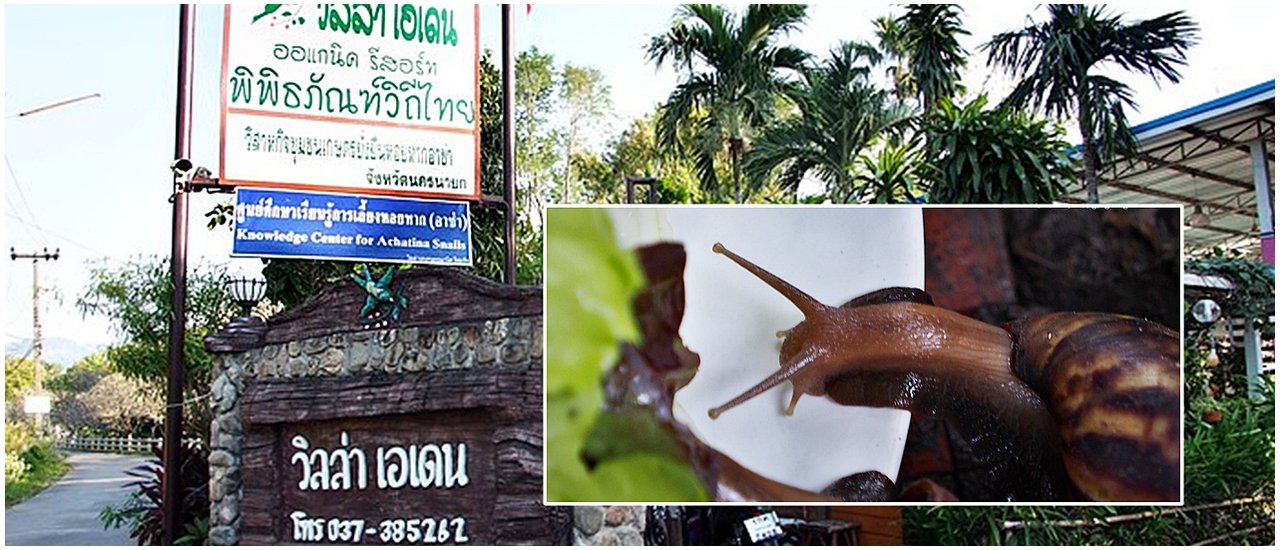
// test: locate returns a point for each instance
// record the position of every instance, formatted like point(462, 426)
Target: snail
point(1062, 406)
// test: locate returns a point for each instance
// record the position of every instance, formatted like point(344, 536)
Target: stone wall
point(246, 355)
point(608, 525)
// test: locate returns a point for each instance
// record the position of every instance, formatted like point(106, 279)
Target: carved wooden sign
point(424, 430)
point(403, 479)
point(423, 462)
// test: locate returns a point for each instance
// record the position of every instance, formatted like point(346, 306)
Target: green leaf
point(569, 417)
point(590, 282)
point(617, 434)
point(647, 478)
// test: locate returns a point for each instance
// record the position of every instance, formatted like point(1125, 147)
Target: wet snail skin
point(1065, 406)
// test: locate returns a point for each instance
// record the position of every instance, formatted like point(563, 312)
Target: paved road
point(66, 514)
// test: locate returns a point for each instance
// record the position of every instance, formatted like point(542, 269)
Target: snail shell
point(1112, 384)
point(1088, 397)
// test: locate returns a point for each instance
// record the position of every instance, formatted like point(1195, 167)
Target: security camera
point(181, 167)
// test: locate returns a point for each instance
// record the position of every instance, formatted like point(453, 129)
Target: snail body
point(1056, 406)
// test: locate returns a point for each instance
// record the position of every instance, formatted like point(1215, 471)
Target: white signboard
point(37, 404)
point(763, 527)
point(368, 98)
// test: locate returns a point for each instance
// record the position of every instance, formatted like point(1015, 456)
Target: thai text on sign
point(375, 98)
point(332, 226)
point(349, 467)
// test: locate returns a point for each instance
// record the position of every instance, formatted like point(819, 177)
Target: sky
point(91, 178)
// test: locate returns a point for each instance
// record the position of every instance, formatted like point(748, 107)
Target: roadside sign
point(334, 226)
point(37, 404)
point(378, 99)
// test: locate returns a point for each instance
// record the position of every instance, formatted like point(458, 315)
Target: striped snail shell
point(1112, 384)
point(1058, 407)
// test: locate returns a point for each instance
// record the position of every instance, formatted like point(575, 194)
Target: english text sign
point(333, 226)
point(373, 98)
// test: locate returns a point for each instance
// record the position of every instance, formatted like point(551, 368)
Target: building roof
point(1200, 156)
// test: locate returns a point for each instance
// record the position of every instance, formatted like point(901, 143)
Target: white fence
point(118, 445)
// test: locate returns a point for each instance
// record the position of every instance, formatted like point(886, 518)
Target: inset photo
point(863, 354)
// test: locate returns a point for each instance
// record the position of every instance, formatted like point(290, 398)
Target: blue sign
point(333, 226)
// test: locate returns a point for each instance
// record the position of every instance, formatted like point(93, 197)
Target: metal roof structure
point(1204, 157)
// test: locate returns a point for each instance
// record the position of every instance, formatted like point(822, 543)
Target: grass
point(1229, 496)
point(31, 465)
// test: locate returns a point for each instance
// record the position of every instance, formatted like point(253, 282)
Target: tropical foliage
point(994, 156)
point(892, 41)
point(142, 512)
point(1059, 63)
point(897, 173)
point(752, 106)
point(929, 37)
point(841, 113)
point(733, 70)
point(1254, 296)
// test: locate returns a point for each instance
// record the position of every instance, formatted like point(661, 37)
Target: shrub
point(30, 463)
point(143, 510)
point(14, 467)
point(994, 156)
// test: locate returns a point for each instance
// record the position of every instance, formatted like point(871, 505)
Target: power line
point(47, 232)
point(26, 227)
point(22, 195)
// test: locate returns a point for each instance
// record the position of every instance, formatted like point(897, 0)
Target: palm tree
point(930, 33)
point(893, 45)
point(1055, 59)
point(732, 74)
point(841, 112)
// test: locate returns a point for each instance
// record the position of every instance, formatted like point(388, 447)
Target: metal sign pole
point(178, 270)
point(509, 141)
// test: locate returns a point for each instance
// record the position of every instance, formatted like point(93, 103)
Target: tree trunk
point(1090, 156)
point(568, 166)
point(735, 154)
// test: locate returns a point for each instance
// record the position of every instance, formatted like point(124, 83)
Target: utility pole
point(36, 341)
point(172, 486)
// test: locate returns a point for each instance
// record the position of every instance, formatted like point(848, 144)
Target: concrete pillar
point(1262, 186)
point(1253, 360)
point(1264, 191)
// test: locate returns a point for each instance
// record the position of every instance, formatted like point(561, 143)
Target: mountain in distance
point(63, 351)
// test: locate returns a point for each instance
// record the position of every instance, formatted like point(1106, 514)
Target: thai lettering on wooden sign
point(425, 430)
point(416, 458)
point(405, 479)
